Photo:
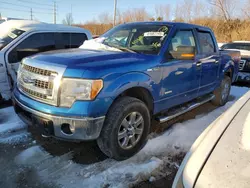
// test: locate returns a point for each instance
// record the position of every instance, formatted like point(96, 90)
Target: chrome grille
point(37, 83)
point(38, 70)
point(242, 64)
point(34, 93)
point(43, 84)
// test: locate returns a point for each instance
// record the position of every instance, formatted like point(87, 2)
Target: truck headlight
point(78, 89)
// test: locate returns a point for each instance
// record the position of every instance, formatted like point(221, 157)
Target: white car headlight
point(78, 89)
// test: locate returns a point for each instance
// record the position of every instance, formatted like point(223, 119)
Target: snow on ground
point(64, 172)
point(9, 121)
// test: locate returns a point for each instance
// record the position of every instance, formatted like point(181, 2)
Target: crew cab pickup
point(111, 88)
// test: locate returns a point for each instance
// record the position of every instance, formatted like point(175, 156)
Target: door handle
point(1, 65)
point(178, 72)
point(216, 62)
point(198, 64)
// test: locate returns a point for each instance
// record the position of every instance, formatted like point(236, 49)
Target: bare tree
point(68, 20)
point(105, 18)
point(138, 14)
point(162, 11)
point(179, 13)
point(225, 8)
point(200, 9)
point(246, 9)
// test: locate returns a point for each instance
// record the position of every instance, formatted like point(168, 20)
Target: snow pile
point(96, 44)
point(121, 175)
point(17, 138)
point(32, 155)
point(9, 121)
point(12, 129)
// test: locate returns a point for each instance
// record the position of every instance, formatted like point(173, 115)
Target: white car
point(220, 157)
point(220, 44)
point(244, 66)
point(22, 38)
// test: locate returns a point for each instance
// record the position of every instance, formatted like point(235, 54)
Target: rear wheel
point(222, 93)
point(125, 129)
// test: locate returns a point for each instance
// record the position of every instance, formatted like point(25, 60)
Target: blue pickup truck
point(111, 90)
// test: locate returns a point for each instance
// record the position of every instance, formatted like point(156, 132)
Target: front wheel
point(222, 93)
point(125, 129)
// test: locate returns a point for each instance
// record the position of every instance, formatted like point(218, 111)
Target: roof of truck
point(29, 25)
point(178, 24)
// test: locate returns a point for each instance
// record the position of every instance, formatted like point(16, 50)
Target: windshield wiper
point(122, 48)
point(125, 49)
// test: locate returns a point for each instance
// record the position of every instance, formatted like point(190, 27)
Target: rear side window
point(36, 43)
point(206, 42)
point(70, 40)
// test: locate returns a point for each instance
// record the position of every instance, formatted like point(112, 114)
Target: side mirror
point(183, 53)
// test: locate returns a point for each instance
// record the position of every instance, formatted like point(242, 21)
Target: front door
point(180, 78)
point(209, 62)
point(34, 43)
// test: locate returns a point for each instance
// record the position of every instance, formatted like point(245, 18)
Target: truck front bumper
point(243, 77)
point(68, 128)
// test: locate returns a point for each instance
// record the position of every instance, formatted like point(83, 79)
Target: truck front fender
point(128, 81)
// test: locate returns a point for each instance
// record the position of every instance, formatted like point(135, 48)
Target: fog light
point(72, 128)
point(67, 129)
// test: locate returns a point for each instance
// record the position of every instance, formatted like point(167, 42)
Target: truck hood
point(243, 53)
point(75, 58)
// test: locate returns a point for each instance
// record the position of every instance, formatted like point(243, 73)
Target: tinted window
point(181, 40)
point(39, 42)
point(206, 42)
point(239, 46)
point(70, 40)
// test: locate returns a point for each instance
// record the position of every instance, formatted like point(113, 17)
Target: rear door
point(209, 59)
point(70, 40)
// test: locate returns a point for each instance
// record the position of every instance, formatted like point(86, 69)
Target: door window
point(206, 42)
point(39, 42)
point(183, 40)
point(70, 40)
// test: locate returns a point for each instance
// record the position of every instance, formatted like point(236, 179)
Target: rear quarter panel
point(229, 61)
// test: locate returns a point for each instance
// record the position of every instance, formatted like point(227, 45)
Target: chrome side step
point(184, 109)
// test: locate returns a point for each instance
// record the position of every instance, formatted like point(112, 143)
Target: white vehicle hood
point(242, 52)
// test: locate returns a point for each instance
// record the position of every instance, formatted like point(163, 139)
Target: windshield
point(8, 35)
point(147, 38)
point(239, 46)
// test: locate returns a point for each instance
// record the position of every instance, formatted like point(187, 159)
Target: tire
point(118, 118)
point(222, 93)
